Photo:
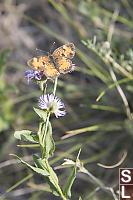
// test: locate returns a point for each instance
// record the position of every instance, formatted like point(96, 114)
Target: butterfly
point(55, 63)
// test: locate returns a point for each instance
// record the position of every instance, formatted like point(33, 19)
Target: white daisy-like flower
point(52, 105)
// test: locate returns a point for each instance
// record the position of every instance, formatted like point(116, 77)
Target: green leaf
point(80, 198)
point(69, 183)
point(35, 169)
point(41, 163)
point(71, 178)
point(26, 135)
point(49, 145)
point(43, 168)
point(3, 57)
point(41, 113)
point(53, 176)
point(52, 180)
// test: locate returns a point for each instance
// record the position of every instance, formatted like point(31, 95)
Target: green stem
point(48, 115)
point(55, 86)
point(43, 89)
point(39, 134)
point(44, 136)
point(58, 187)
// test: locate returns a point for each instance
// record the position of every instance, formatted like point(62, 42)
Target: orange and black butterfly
point(55, 63)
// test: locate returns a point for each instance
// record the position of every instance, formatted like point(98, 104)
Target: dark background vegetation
point(27, 25)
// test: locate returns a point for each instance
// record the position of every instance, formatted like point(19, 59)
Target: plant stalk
point(55, 86)
point(58, 187)
point(46, 127)
point(39, 134)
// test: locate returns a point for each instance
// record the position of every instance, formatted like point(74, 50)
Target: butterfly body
point(56, 62)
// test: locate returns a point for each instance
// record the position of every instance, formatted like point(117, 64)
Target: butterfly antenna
point(41, 50)
point(51, 48)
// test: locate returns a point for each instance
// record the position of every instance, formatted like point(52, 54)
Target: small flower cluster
point(34, 74)
point(39, 75)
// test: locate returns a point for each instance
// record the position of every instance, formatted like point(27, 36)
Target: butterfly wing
point(36, 63)
point(58, 62)
point(49, 69)
point(67, 50)
point(44, 63)
point(63, 64)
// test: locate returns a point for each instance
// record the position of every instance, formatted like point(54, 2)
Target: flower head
point(33, 74)
point(52, 104)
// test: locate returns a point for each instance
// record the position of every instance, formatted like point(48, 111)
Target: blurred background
point(102, 32)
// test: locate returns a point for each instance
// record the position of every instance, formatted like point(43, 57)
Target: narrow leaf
point(26, 135)
point(69, 183)
point(41, 113)
point(71, 178)
point(35, 169)
point(52, 178)
point(39, 162)
point(49, 145)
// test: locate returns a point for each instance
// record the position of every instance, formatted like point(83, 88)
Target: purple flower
point(52, 104)
point(73, 68)
point(30, 74)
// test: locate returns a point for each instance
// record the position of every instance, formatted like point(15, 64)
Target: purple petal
point(51, 104)
point(73, 68)
point(30, 74)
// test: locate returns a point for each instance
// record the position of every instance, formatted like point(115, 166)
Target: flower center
point(52, 107)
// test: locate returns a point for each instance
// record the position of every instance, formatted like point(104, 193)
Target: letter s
point(125, 173)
